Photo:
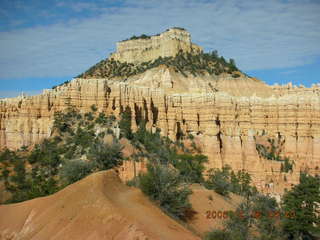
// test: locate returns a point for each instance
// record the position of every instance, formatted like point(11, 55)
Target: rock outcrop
point(166, 44)
point(225, 115)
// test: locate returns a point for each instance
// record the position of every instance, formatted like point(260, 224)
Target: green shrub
point(218, 235)
point(225, 181)
point(25, 185)
point(157, 147)
point(75, 170)
point(125, 123)
point(7, 156)
point(46, 154)
point(51, 164)
point(102, 119)
point(60, 122)
point(287, 165)
point(39, 180)
point(19, 177)
point(185, 63)
point(271, 153)
point(241, 183)
point(133, 182)
point(106, 156)
point(219, 180)
point(239, 222)
point(143, 36)
point(94, 108)
point(251, 221)
point(267, 226)
point(165, 186)
point(89, 116)
point(190, 167)
point(83, 137)
point(304, 201)
point(190, 136)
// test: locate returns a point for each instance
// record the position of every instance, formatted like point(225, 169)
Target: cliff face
point(166, 44)
point(227, 115)
point(225, 125)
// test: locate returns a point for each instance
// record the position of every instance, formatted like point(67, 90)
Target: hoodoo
point(175, 86)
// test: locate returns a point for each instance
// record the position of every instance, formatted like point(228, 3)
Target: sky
point(44, 43)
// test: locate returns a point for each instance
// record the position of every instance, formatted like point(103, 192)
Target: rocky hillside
point(223, 110)
point(98, 207)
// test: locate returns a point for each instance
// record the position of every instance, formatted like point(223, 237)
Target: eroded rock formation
point(166, 44)
point(226, 115)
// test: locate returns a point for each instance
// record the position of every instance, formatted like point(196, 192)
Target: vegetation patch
point(225, 180)
point(185, 63)
point(166, 186)
point(272, 152)
point(81, 146)
point(260, 217)
point(142, 36)
point(77, 150)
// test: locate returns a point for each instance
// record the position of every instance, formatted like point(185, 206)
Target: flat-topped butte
point(166, 44)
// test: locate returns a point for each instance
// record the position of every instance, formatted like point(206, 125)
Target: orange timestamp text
point(213, 214)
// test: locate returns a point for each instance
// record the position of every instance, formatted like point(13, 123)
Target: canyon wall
point(225, 127)
point(166, 44)
point(281, 90)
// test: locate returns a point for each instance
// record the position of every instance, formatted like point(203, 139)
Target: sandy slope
point(170, 82)
point(97, 207)
point(202, 203)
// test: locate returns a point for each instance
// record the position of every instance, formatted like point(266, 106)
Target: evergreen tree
point(190, 167)
point(304, 201)
point(215, 54)
point(125, 123)
point(232, 62)
point(263, 208)
point(219, 180)
point(165, 186)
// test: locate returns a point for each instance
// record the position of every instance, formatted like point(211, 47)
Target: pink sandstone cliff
point(224, 125)
point(226, 116)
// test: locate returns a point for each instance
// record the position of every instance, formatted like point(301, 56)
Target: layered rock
point(289, 88)
point(166, 44)
point(225, 126)
point(225, 114)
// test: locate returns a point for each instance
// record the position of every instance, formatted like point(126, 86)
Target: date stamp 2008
point(212, 214)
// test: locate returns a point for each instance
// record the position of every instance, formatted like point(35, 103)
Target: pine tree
point(125, 123)
point(303, 200)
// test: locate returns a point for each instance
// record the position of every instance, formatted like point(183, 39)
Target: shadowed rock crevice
point(154, 111)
